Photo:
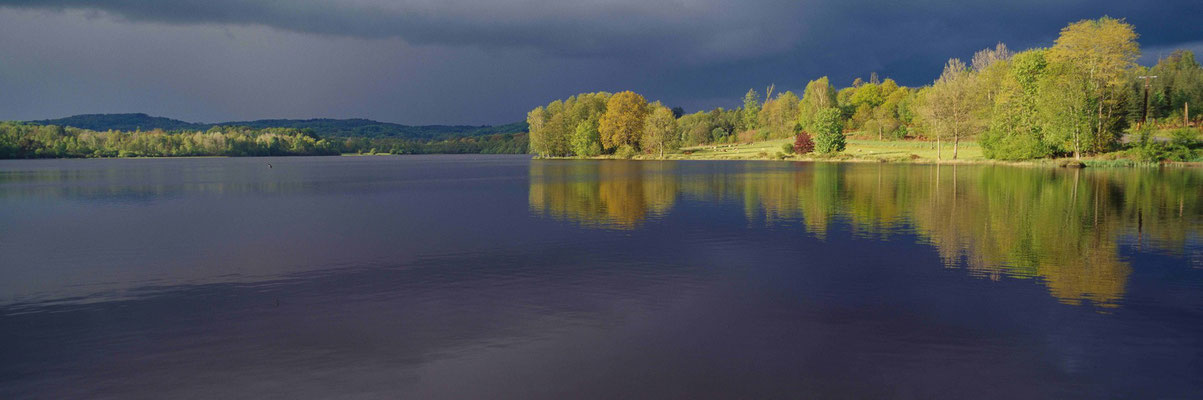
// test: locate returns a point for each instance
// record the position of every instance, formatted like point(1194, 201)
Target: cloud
point(692, 32)
point(695, 29)
point(480, 61)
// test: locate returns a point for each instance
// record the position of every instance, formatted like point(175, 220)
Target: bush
point(1185, 137)
point(1000, 145)
point(625, 152)
point(787, 149)
point(803, 144)
point(828, 126)
point(1146, 147)
point(1149, 149)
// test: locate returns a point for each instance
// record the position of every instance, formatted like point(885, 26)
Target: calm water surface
point(502, 277)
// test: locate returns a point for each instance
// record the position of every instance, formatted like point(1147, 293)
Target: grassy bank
point(902, 151)
point(857, 150)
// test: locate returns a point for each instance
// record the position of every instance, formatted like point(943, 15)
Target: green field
point(857, 149)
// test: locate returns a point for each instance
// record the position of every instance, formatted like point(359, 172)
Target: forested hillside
point(141, 135)
point(323, 127)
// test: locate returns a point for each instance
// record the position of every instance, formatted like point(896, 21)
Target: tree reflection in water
point(1064, 227)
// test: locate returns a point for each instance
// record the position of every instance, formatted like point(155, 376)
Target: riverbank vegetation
point(1084, 97)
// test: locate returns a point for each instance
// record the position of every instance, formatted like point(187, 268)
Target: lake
point(505, 277)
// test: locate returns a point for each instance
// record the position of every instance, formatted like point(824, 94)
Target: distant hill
point(122, 122)
point(324, 127)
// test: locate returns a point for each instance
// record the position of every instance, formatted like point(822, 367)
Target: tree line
point(24, 140)
point(324, 127)
point(1081, 96)
point(500, 143)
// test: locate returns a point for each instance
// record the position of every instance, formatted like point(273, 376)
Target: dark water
point(500, 277)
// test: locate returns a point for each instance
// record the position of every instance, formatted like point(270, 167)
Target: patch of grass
point(857, 149)
point(900, 151)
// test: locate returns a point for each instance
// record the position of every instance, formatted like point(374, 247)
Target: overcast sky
point(485, 62)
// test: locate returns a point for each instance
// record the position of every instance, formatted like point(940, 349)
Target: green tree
point(659, 131)
point(1017, 128)
point(779, 116)
point(951, 106)
point(751, 111)
point(819, 94)
point(1178, 87)
point(1097, 56)
point(1065, 106)
point(586, 142)
point(536, 119)
point(885, 118)
point(828, 127)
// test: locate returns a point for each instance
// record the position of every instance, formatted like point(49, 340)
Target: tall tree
point(751, 111)
point(950, 106)
point(622, 123)
point(659, 131)
point(1101, 54)
point(535, 119)
point(1017, 128)
point(828, 128)
point(819, 94)
point(1065, 107)
point(586, 142)
point(780, 115)
point(1179, 84)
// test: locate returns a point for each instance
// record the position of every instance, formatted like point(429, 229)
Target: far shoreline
point(845, 157)
point(1046, 163)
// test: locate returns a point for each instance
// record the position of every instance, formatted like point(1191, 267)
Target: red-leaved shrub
point(803, 144)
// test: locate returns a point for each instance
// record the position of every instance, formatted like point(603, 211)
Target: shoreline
point(839, 158)
point(866, 150)
point(1068, 163)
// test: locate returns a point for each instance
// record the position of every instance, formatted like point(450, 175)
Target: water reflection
point(1063, 227)
point(603, 194)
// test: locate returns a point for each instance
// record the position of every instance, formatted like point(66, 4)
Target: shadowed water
point(502, 277)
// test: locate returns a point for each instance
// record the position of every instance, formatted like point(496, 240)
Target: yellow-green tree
point(1099, 54)
point(749, 116)
point(819, 94)
point(779, 116)
point(1017, 127)
point(659, 130)
point(622, 123)
point(950, 106)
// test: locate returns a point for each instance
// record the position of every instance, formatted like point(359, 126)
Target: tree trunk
point(1077, 145)
point(1098, 132)
point(956, 140)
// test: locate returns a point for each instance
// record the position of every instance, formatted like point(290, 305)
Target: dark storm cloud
point(693, 28)
point(489, 61)
point(709, 29)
